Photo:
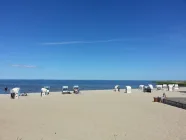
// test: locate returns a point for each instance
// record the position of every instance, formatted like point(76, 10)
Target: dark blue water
point(29, 86)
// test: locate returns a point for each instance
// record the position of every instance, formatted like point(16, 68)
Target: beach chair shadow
point(182, 91)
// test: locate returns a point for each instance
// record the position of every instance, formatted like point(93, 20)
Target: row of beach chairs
point(65, 90)
point(128, 89)
point(15, 92)
point(149, 88)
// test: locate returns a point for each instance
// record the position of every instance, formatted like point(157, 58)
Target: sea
point(34, 86)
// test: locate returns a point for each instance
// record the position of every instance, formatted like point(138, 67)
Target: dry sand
point(92, 115)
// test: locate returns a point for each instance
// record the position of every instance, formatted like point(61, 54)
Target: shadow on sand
point(182, 91)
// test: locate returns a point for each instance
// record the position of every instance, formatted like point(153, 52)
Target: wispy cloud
point(24, 66)
point(87, 42)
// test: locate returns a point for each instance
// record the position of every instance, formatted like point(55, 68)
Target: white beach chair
point(43, 92)
point(170, 87)
point(128, 89)
point(76, 89)
point(141, 87)
point(159, 87)
point(165, 86)
point(15, 93)
point(117, 88)
point(147, 89)
point(48, 90)
point(65, 90)
point(151, 86)
point(176, 87)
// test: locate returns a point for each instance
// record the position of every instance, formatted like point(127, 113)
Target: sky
point(93, 40)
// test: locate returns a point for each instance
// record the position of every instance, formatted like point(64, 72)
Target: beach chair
point(14, 93)
point(65, 90)
point(128, 89)
point(170, 87)
point(43, 92)
point(117, 88)
point(176, 87)
point(165, 86)
point(150, 86)
point(48, 89)
point(76, 89)
point(141, 87)
point(147, 89)
point(159, 87)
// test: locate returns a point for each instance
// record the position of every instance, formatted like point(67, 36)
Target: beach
point(92, 115)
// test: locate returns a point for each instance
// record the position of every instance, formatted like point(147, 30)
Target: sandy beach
point(92, 115)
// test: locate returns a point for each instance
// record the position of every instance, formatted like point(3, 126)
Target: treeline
point(180, 83)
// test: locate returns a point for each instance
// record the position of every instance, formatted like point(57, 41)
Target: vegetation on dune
point(180, 83)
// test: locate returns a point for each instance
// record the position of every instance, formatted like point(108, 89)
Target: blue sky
point(99, 39)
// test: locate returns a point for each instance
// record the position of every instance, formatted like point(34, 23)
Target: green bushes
point(180, 83)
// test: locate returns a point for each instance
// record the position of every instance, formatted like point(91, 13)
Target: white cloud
point(16, 65)
point(24, 66)
point(87, 42)
point(29, 66)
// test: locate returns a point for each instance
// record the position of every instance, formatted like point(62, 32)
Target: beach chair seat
point(16, 96)
point(147, 89)
point(65, 90)
point(159, 87)
point(43, 94)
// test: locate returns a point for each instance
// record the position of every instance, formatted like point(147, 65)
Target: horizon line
point(91, 79)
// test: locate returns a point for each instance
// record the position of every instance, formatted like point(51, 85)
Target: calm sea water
point(29, 86)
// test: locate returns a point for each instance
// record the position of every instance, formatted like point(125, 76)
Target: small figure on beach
point(119, 89)
point(6, 89)
point(163, 98)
